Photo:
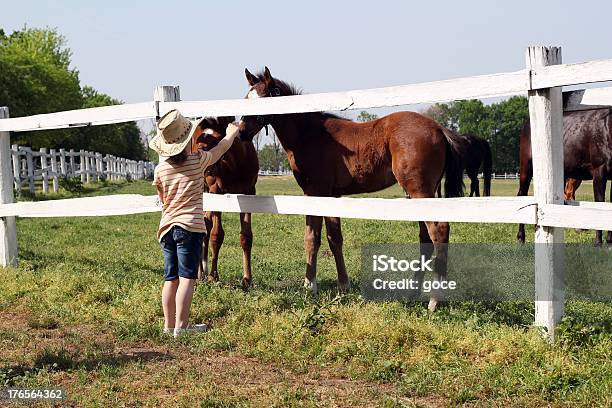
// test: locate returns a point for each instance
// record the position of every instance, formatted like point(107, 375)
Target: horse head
point(261, 86)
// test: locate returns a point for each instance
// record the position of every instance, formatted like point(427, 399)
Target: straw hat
point(174, 131)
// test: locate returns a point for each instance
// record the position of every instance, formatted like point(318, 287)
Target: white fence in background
point(275, 173)
point(541, 81)
point(48, 166)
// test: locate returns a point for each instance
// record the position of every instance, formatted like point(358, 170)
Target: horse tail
point(487, 167)
point(455, 153)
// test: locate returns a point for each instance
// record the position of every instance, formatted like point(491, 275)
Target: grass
point(82, 312)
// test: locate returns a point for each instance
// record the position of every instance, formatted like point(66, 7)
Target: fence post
point(43, 166)
point(54, 169)
point(8, 228)
point(165, 93)
point(30, 163)
point(72, 165)
point(63, 170)
point(99, 172)
point(108, 168)
point(16, 167)
point(546, 118)
point(92, 166)
point(82, 164)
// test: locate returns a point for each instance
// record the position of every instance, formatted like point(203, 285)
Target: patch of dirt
point(170, 372)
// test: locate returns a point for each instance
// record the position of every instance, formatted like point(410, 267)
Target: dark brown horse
point(587, 155)
point(235, 173)
point(332, 156)
point(477, 154)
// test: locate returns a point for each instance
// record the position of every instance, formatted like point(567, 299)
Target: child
point(180, 184)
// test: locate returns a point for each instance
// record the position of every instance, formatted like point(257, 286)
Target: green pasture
point(82, 312)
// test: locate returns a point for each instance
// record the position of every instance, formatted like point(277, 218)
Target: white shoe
point(195, 328)
point(169, 331)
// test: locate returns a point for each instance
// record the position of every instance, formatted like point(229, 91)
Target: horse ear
point(251, 79)
point(267, 75)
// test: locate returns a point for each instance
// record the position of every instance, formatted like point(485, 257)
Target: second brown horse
point(235, 173)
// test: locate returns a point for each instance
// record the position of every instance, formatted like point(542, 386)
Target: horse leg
point(312, 243)
point(334, 238)
point(571, 186)
point(599, 191)
point(474, 185)
point(216, 240)
point(246, 242)
point(203, 271)
point(525, 180)
point(426, 250)
point(439, 234)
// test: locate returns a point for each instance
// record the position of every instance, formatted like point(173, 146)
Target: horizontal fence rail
point(512, 210)
point(482, 86)
point(483, 209)
point(30, 166)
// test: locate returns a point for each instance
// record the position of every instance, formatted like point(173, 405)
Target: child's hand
point(231, 129)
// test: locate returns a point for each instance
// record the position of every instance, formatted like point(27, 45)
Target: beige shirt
point(180, 188)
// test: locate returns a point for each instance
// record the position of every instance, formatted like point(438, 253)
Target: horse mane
point(216, 123)
point(289, 89)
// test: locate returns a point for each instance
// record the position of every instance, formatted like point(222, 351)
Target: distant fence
point(30, 166)
point(275, 173)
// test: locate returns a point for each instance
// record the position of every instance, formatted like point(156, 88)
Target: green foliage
point(37, 78)
point(272, 157)
point(72, 185)
point(499, 123)
point(121, 140)
point(365, 116)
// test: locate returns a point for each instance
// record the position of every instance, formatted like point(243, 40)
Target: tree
point(272, 158)
point(499, 123)
point(37, 78)
point(122, 139)
point(365, 116)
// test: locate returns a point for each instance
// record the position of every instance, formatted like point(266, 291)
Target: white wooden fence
point(541, 80)
point(50, 165)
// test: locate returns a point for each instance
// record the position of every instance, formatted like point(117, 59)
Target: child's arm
point(211, 156)
point(157, 185)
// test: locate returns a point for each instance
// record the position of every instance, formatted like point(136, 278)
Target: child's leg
point(169, 303)
point(171, 281)
point(188, 251)
point(184, 294)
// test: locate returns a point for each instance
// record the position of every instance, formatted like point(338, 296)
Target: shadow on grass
point(62, 360)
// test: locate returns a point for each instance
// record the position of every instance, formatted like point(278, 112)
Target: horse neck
point(291, 129)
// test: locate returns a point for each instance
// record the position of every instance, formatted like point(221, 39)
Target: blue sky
point(125, 48)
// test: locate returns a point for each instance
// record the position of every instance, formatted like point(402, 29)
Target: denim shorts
point(182, 252)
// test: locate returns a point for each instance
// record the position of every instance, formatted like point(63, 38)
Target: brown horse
point(332, 156)
point(587, 154)
point(477, 154)
point(235, 173)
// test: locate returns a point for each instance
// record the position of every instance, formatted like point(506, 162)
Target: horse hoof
point(343, 287)
point(214, 278)
point(246, 283)
point(311, 286)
